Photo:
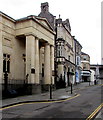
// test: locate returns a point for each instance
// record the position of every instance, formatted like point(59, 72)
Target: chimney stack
point(45, 7)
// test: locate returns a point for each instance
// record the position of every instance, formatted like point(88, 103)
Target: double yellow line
point(40, 102)
point(95, 112)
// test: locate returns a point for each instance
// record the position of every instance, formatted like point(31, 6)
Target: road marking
point(40, 102)
point(95, 112)
point(87, 87)
point(45, 102)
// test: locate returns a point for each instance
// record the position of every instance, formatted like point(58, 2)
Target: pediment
point(44, 22)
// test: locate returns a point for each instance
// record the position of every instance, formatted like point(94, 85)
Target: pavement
point(99, 116)
point(57, 95)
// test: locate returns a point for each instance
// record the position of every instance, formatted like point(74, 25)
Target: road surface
point(78, 108)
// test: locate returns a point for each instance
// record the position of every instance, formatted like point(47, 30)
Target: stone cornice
point(37, 21)
point(8, 17)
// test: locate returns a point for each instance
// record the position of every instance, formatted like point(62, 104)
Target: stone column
point(52, 63)
point(47, 78)
point(30, 58)
point(37, 61)
point(1, 53)
point(40, 61)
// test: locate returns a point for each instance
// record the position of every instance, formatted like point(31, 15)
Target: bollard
point(50, 91)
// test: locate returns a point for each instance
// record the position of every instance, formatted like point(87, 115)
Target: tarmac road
point(78, 108)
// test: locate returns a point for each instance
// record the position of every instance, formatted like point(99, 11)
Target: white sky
point(84, 16)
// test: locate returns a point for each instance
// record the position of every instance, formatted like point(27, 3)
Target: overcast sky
point(84, 16)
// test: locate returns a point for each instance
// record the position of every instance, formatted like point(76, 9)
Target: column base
point(33, 89)
point(46, 88)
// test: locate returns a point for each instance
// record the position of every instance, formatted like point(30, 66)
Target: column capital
point(47, 43)
point(30, 34)
point(52, 46)
point(37, 38)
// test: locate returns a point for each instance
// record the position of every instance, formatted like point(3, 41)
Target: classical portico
point(32, 59)
point(38, 36)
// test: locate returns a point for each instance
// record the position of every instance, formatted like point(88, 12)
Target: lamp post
point(24, 60)
point(50, 91)
point(71, 81)
point(71, 89)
